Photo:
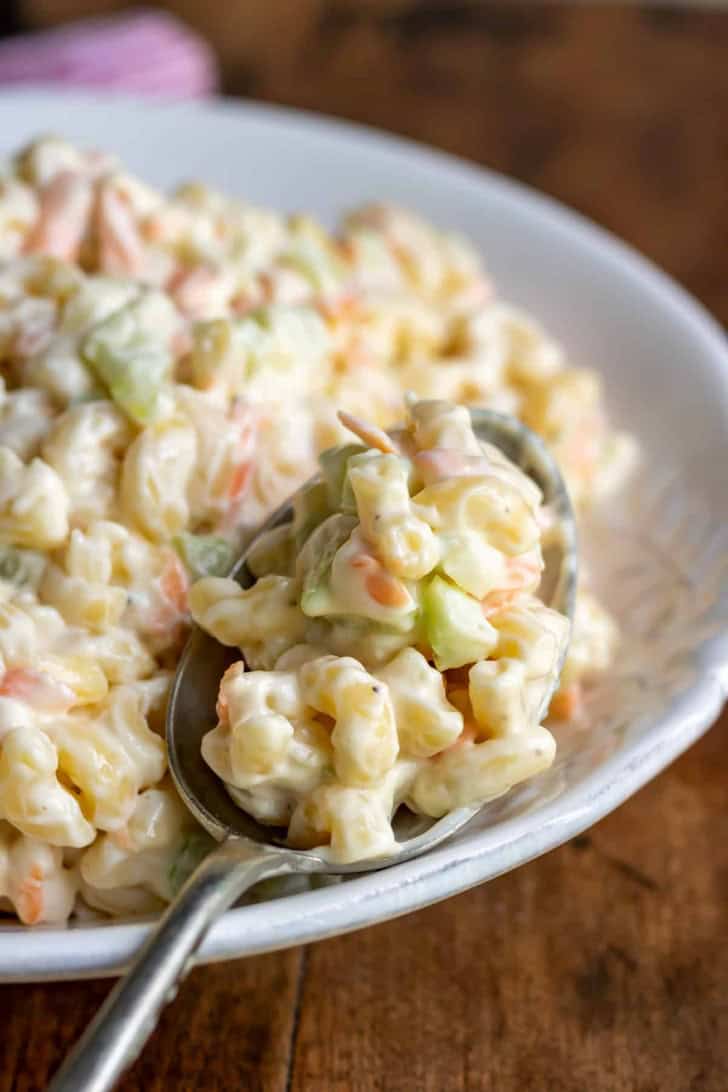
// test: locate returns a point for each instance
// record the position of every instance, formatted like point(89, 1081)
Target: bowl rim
point(94, 949)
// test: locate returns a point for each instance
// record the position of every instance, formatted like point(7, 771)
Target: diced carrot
point(65, 208)
point(567, 703)
point(384, 589)
point(380, 585)
point(152, 229)
point(238, 668)
point(167, 614)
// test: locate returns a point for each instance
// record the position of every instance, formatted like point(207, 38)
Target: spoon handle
point(127, 1018)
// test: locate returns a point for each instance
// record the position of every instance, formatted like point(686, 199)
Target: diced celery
point(272, 552)
point(455, 627)
point(316, 559)
point(310, 508)
point(129, 352)
point(204, 555)
point(334, 463)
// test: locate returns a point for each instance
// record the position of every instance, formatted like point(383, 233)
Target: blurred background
point(617, 109)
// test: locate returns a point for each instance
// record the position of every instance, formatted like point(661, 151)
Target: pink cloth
point(150, 53)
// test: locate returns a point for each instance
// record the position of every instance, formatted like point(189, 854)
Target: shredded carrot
point(384, 589)
point(370, 434)
point(30, 898)
point(567, 703)
point(238, 668)
point(120, 244)
point(65, 208)
point(175, 585)
point(240, 480)
point(153, 229)
point(380, 585)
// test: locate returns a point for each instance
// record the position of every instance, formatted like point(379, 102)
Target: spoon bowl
point(249, 851)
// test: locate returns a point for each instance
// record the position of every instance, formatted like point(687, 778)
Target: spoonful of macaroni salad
point(394, 649)
point(376, 667)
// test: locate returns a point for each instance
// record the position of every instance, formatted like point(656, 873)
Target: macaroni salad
point(397, 651)
point(170, 370)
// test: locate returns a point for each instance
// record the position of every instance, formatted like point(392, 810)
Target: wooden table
point(602, 967)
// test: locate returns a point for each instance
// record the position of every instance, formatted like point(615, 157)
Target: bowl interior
point(659, 554)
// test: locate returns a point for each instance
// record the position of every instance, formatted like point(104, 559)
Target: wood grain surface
point(602, 967)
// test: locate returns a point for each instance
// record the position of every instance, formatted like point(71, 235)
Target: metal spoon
point(247, 851)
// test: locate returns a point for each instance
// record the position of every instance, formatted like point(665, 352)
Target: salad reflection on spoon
point(248, 851)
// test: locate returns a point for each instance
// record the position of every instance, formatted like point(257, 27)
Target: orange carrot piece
point(567, 703)
point(30, 899)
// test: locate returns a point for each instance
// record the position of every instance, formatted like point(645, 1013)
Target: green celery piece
point(131, 360)
point(272, 552)
point(204, 555)
point(310, 508)
point(334, 463)
point(455, 627)
point(316, 559)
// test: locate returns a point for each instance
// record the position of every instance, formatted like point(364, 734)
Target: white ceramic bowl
point(662, 553)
